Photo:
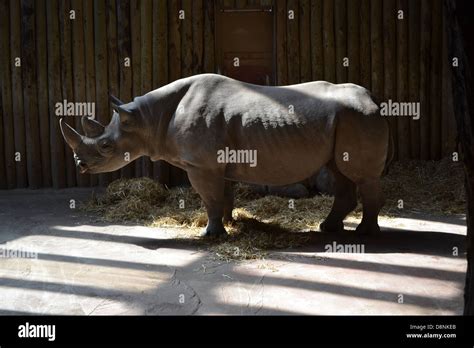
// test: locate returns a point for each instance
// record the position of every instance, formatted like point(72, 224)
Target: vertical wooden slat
point(90, 96)
point(78, 70)
point(317, 51)
point(365, 63)
point(435, 85)
point(281, 41)
point(328, 40)
point(414, 71)
point(66, 80)
point(30, 96)
point(240, 3)
point(160, 43)
point(101, 71)
point(353, 37)
point(209, 38)
point(390, 61)
point(112, 54)
point(160, 69)
point(448, 129)
point(174, 54)
point(125, 70)
point(5, 84)
point(3, 176)
point(146, 62)
point(403, 123)
point(340, 24)
point(376, 34)
point(186, 26)
point(425, 63)
point(135, 29)
point(58, 166)
point(305, 41)
point(293, 43)
point(228, 3)
point(17, 87)
point(42, 76)
point(198, 36)
point(174, 40)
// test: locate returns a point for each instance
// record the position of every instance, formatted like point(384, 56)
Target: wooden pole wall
point(425, 78)
point(78, 71)
point(340, 25)
point(8, 135)
point(365, 61)
point(42, 77)
point(146, 34)
point(161, 169)
point(353, 40)
point(317, 55)
point(83, 60)
point(17, 95)
point(414, 15)
point(124, 64)
point(403, 124)
point(101, 71)
point(90, 96)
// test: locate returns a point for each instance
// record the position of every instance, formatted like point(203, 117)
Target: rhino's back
point(292, 127)
point(214, 95)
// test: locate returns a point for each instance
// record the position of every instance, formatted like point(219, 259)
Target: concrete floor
point(89, 268)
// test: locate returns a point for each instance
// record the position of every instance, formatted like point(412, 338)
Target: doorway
point(245, 43)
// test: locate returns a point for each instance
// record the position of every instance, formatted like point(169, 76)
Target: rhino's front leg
point(210, 186)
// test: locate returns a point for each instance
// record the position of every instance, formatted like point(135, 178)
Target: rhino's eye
point(105, 145)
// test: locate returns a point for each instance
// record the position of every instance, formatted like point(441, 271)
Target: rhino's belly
point(278, 167)
point(279, 156)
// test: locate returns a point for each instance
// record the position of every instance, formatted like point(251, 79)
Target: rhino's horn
point(73, 138)
point(91, 127)
point(115, 100)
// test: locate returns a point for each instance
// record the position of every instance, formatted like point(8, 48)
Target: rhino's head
point(107, 148)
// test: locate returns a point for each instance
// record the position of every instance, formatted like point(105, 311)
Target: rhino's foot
point(368, 229)
point(331, 226)
point(214, 231)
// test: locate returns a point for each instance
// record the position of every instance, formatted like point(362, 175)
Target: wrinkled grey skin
point(295, 129)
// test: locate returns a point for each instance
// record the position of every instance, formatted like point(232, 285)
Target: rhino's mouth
point(83, 166)
point(83, 170)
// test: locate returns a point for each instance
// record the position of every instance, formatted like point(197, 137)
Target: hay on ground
point(263, 223)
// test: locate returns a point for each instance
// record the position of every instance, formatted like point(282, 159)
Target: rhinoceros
point(270, 135)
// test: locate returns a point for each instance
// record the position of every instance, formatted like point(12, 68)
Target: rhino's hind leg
point(345, 200)
point(210, 186)
point(372, 201)
point(228, 201)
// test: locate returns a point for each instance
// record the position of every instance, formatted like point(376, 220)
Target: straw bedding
point(263, 223)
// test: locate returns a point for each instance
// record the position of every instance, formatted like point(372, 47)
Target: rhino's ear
point(91, 127)
point(73, 138)
point(126, 113)
point(124, 108)
point(114, 100)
